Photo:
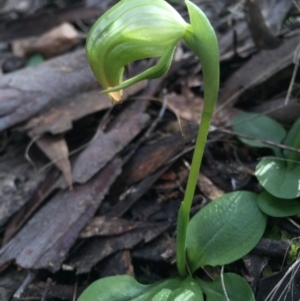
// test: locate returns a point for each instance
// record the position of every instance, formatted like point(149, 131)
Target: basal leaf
point(189, 290)
point(224, 230)
point(125, 288)
point(259, 126)
point(280, 181)
point(237, 289)
point(162, 295)
point(276, 207)
point(293, 139)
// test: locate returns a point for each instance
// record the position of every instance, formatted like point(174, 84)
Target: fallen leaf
point(19, 45)
point(56, 149)
point(188, 108)
point(105, 226)
point(54, 42)
point(119, 263)
point(208, 188)
point(224, 116)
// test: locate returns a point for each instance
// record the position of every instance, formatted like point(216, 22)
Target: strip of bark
point(27, 92)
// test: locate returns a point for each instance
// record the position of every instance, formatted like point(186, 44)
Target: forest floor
point(90, 190)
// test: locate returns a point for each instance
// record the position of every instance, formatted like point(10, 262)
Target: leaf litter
point(128, 180)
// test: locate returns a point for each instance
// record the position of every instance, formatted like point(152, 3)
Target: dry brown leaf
point(105, 226)
point(56, 149)
point(56, 41)
point(20, 46)
point(208, 188)
point(188, 108)
point(224, 117)
point(119, 263)
point(52, 43)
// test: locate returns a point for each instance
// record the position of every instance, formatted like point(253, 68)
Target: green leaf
point(259, 126)
point(189, 290)
point(34, 60)
point(162, 295)
point(224, 230)
point(125, 288)
point(236, 287)
point(277, 179)
point(293, 140)
point(276, 207)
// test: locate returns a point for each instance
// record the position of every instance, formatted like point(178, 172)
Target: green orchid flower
point(132, 31)
point(138, 29)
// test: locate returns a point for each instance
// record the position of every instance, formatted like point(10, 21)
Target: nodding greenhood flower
point(138, 29)
point(134, 30)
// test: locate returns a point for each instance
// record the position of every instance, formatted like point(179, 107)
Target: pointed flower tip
point(116, 96)
point(133, 30)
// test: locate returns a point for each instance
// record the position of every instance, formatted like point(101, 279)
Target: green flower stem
point(138, 29)
point(201, 38)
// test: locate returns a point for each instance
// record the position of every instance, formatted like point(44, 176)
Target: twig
point(293, 223)
point(297, 5)
point(294, 266)
point(75, 291)
point(27, 281)
point(223, 284)
point(46, 290)
point(268, 142)
point(27, 157)
point(296, 62)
